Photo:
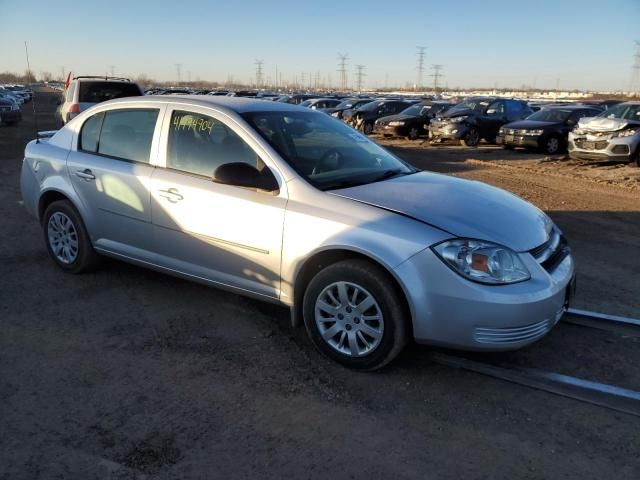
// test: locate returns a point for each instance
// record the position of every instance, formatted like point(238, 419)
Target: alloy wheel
point(63, 238)
point(349, 319)
point(553, 144)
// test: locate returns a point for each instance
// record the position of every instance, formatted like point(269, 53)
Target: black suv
point(364, 117)
point(477, 118)
point(547, 129)
point(413, 121)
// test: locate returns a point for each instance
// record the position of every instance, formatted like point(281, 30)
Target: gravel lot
point(126, 373)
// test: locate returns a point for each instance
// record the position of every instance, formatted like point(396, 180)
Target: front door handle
point(86, 174)
point(171, 194)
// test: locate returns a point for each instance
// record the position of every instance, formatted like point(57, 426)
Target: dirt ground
point(126, 373)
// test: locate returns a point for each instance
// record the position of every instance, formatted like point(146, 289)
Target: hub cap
point(63, 238)
point(349, 319)
point(552, 145)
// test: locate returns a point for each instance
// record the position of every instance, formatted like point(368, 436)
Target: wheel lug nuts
point(340, 316)
point(348, 309)
point(356, 320)
point(348, 327)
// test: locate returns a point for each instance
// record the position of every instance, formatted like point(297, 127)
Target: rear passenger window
point(127, 134)
point(199, 144)
point(89, 133)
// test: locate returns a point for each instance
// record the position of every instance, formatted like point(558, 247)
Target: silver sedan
point(292, 206)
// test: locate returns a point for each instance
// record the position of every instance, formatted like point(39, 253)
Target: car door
point(222, 233)
point(110, 170)
point(493, 118)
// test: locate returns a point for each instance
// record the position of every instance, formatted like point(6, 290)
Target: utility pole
point(276, 82)
point(302, 78)
point(359, 76)
point(635, 73)
point(342, 69)
point(420, 67)
point(189, 76)
point(436, 76)
point(258, 64)
point(178, 66)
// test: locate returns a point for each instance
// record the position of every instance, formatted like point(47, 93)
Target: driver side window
point(496, 109)
point(199, 144)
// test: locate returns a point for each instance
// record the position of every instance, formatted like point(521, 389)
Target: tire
point(552, 145)
point(471, 138)
point(367, 128)
point(374, 342)
point(636, 158)
point(73, 252)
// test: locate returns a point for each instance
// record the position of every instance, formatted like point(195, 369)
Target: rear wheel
point(367, 128)
point(354, 316)
point(471, 138)
point(413, 133)
point(67, 239)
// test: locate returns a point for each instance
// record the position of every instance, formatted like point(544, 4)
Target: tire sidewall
point(85, 249)
point(392, 314)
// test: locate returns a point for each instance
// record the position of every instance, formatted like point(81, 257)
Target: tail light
point(74, 109)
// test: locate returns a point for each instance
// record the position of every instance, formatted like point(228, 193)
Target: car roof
point(575, 106)
point(234, 104)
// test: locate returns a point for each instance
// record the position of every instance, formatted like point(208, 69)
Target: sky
point(582, 44)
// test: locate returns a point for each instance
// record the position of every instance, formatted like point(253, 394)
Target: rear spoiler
point(45, 135)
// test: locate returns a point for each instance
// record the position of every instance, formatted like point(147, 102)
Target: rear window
point(127, 134)
point(101, 91)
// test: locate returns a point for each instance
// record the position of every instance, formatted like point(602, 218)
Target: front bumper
point(396, 131)
point(526, 141)
point(439, 131)
point(603, 147)
point(454, 312)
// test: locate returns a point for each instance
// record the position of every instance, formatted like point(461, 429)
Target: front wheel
point(471, 138)
point(367, 128)
point(413, 133)
point(551, 145)
point(354, 316)
point(67, 239)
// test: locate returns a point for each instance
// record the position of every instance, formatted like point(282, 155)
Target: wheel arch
point(328, 256)
point(53, 195)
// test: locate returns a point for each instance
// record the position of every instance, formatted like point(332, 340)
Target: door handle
point(86, 174)
point(171, 194)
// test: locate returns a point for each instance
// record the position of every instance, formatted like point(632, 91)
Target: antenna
point(420, 66)
point(436, 76)
point(360, 76)
point(33, 100)
point(342, 69)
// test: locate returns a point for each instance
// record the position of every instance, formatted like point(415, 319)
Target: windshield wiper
point(389, 174)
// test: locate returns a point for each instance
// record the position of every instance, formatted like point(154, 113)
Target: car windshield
point(476, 105)
point(623, 111)
point(325, 151)
point(550, 115)
point(369, 107)
point(413, 110)
point(96, 92)
point(349, 103)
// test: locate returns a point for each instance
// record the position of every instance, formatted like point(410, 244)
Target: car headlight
point(533, 133)
point(458, 119)
point(501, 131)
point(579, 131)
point(481, 261)
point(626, 133)
point(396, 124)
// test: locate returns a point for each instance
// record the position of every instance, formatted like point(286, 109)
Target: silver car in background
point(292, 206)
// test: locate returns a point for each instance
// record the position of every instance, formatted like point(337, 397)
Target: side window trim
point(98, 131)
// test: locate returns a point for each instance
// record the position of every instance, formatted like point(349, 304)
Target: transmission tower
point(436, 75)
point(635, 73)
point(420, 67)
point(178, 66)
point(258, 64)
point(342, 69)
point(359, 76)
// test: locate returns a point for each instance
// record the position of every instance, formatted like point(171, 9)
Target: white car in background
point(84, 92)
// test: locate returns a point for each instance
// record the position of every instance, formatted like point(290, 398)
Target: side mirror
point(571, 121)
point(242, 174)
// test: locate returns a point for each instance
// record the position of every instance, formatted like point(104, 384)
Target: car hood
point(458, 113)
point(531, 124)
point(601, 124)
point(396, 117)
point(464, 208)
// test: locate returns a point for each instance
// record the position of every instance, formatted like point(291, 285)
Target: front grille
point(590, 145)
point(505, 336)
point(621, 149)
point(5, 109)
point(552, 252)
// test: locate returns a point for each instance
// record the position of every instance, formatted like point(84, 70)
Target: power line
point(420, 67)
point(342, 69)
point(259, 64)
point(436, 67)
point(359, 76)
point(635, 73)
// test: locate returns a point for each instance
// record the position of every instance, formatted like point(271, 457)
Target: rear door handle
point(171, 194)
point(86, 174)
